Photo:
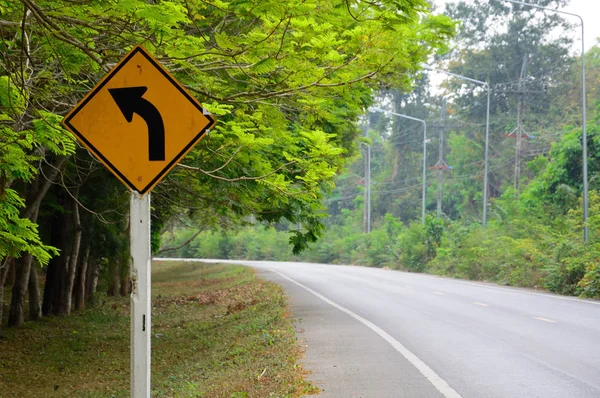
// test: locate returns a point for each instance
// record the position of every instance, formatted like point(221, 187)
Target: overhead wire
point(498, 159)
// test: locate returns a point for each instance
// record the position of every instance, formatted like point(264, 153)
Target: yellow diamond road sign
point(139, 121)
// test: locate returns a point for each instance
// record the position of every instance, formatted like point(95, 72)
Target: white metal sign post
point(140, 295)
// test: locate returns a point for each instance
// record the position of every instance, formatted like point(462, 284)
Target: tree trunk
point(55, 273)
point(4, 268)
point(61, 289)
point(35, 305)
point(49, 288)
point(12, 274)
point(67, 294)
point(16, 315)
point(396, 164)
point(91, 281)
point(115, 279)
point(124, 286)
point(125, 279)
point(80, 293)
point(23, 267)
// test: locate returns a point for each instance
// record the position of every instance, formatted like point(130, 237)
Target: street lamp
point(486, 86)
point(374, 109)
point(583, 102)
point(367, 206)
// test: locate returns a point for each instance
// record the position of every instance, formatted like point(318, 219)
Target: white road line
point(481, 304)
point(439, 293)
point(544, 319)
point(440, 384)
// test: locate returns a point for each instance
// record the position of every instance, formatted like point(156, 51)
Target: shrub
point(590, 283)
point(413, 252)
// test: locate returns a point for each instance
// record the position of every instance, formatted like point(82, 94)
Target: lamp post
point(584, 118)
point(367, 209)
point(424, 153)
point(486, 86)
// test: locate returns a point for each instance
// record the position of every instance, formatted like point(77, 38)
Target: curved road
point(380, 333)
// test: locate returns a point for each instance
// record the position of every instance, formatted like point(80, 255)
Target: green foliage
point(434, 229)
point(463, 197)
point(379, 250)
point(20, 151)
point(526, 247)
point(50, 134)
point(18, 235)
point(490, 255)
point(563, 274)
point(257, 244)
point(590, 283)
point(413, 248)
point(574, 270)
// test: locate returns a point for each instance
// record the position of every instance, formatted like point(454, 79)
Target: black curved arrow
point(130, 101)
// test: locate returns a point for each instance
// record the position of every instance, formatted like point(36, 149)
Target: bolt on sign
point(139, 121)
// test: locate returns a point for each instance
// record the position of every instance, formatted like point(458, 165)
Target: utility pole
point(441, 164)
point(519, 133)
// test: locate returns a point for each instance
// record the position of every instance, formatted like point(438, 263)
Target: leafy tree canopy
point(285, 79)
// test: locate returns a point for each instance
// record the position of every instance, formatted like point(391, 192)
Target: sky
point(588, 9)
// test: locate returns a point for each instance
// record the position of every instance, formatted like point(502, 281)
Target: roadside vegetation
point(218, 331)
point(534, 234)
point(516, 250)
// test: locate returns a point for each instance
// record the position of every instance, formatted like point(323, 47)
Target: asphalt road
point(381, 333)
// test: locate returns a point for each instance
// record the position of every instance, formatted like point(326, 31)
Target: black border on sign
point(96, 90)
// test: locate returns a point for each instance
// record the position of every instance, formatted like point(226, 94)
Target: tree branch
point(187, 242)
point(243, 178)
point(60, 33)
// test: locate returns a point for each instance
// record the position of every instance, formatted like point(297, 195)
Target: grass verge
point(218, 331)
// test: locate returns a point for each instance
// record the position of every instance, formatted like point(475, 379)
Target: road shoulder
point(347, 359)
